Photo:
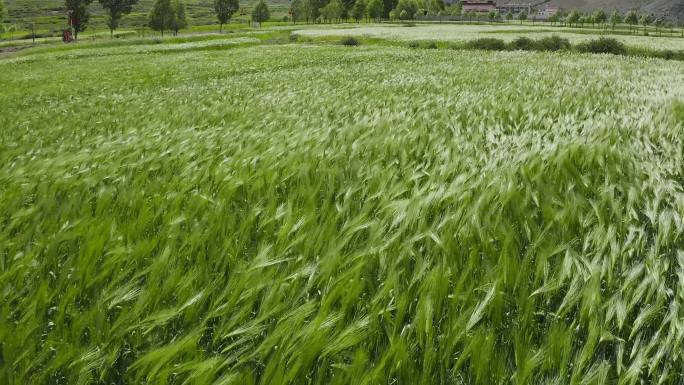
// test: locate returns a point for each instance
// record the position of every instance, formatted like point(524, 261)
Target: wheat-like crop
point(325, 215)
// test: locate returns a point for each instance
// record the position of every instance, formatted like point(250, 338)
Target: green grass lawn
point(227, 212)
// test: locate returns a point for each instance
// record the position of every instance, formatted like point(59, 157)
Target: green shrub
point(430, 45)
point(603, 45)
point(678, 109)
point(489, 44)
point(523, 44)
point(349, 41)
point(669, 54)
point(552, 43)
point(414, 44)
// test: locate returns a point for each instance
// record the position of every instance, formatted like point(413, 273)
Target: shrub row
point(550, 44)
point(556, 43)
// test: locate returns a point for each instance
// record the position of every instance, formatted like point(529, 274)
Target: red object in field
point(67, 37)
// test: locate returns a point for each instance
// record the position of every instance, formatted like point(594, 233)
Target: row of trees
point(165, 15)
point(601, 18)
point(168, 15)
point(334, 10)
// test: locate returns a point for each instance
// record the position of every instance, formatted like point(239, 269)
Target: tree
point(573, 18)
point(347, 6)
point(406, 9)
point(522, 16)
point(509, 16)
point(2, 11)
point(359, 10)
point(457, 9)
point(470, 15)
point(260, 13)
point(374, 9)
point(78, 15)
point(492, 15)
point(161, 17)
point(179, 20)
point(297, 10)
point(600, 17)
point(646, 20)
point(631, 19)
point(387, 6)
point(332, 11)
point(435, 6)
point(554, 18)
point(115, 10)
point(659, 24)
point(311, 9)
point(615, 19)
point(225, 10)
point(584, 19)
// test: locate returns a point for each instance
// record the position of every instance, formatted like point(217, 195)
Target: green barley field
point(236, 211)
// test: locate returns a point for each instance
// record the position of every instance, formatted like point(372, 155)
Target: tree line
point(170, 15)
point(601, 18)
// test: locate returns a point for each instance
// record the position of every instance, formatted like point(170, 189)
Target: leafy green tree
point(347, 6)
point(645, 21)
point(584, 19)
point(312, 9)
point(509, 16)
point(359, 10)
point(406, 9)
point(2, 11)
point(161, 16)
point(492, 16)
point(78, 14)
point(553, 19)
point(573, 18)
point(332, 11)
point(600, 17)
point(522, 16)
point(179, 20)
point(615, 19)
point(435, 6)
point(470, 15)
point(224, 10)
point(387, 6)
point(457, 9)
point(374, 9)
point(297, 10)
point(260, 13)
point(116, 9)
point(659, 24)
point(631, 19)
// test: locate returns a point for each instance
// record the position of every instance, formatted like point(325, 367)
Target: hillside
point(49, 14)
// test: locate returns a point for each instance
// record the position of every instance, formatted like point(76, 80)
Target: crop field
point(226, 212)
point(465, 32)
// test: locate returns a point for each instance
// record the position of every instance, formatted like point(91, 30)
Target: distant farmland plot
point(206, 211)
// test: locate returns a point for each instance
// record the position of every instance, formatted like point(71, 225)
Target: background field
point(48, 15)
point(463, 32)
point(225, 211)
